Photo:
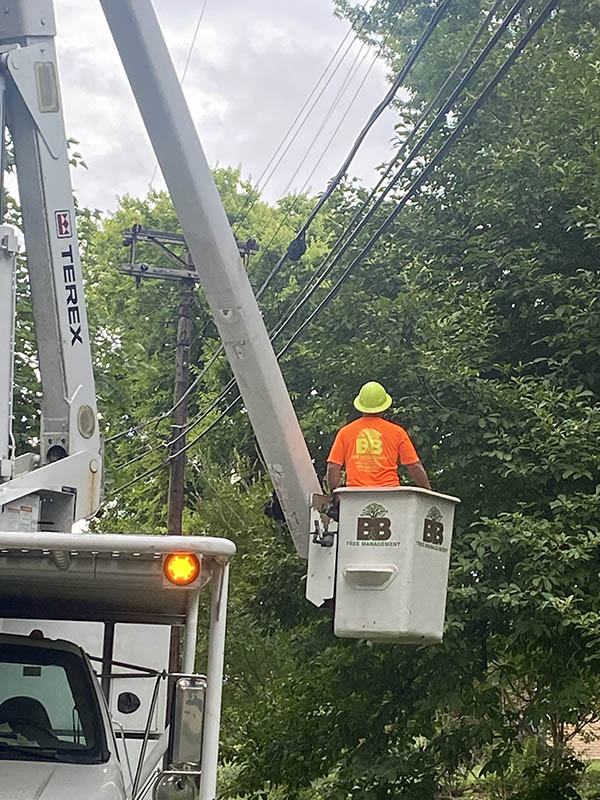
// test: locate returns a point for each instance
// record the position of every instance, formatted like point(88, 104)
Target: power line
point(441, 115)
point(192, 45)
point(374, 115)
point(239, 221)
point(352, 71)
point(185, 69)
point(378, 111)
point(321, 275)
point(349, 76)
point(354, 67)
point(399, 5)
point(297, 244)
point(198, 418)
point(138, 478)
point(165, 414)
point(413, 189)
point(417, 183)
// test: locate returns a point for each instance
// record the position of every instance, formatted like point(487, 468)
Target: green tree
point(479, 312)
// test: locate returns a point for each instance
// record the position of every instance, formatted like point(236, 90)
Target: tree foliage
point(479, 312)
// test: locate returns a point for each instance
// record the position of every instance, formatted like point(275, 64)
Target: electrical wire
point(345, 83)
point(398, 6)
point(412, 190)
point(356, 65)
point(437, 158)
point(374, 115)
point(349, 76)
point(378, 111)
point(322, 272)
point(159, 417)
point(239, 221)
point(198, 418)
point(185, 69)
point(441, 115)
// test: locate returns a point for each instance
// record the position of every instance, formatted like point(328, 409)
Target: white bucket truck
point(98, 695)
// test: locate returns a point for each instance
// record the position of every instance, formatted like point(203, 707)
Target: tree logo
point(433, 528)
point(373, 524)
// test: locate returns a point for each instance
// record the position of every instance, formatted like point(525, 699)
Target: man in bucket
point(371, 447)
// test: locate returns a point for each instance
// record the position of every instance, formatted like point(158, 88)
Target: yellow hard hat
point(372, 398)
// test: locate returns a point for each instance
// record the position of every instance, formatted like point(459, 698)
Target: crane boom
point(214, 252)
point(68, 481)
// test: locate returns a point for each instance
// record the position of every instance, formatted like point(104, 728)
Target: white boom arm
point(214, 252)
point(69, 478)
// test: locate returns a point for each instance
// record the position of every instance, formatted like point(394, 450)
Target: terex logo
point(68, 268)
point(433, 528)
point(373, 525)
point(63, 224)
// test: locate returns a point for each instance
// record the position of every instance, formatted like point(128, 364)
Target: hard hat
point(372, 398)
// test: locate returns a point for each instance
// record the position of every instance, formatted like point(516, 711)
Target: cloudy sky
point(253, 65)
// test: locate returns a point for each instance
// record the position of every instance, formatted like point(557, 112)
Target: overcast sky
point(253, 65)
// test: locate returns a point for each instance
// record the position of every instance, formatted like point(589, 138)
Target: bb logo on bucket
point(373, 525)
point(433, 528)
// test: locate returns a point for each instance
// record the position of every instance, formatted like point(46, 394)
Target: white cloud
point(252, 68)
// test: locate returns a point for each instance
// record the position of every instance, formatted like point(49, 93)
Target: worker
point(371, 447)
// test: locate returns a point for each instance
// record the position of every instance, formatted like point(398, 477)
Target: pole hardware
point(137, 233)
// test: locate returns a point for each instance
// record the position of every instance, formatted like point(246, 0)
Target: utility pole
point(184, 272)
point(180, 401)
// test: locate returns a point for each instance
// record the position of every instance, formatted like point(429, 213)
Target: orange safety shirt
point(371, 448)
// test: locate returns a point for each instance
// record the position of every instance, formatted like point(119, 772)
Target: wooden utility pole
point(180, 401)
point(184, 272)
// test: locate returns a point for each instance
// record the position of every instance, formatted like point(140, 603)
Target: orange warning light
point(182, 568)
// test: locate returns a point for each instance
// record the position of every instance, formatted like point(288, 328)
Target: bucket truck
point(97, 698)
point(94, 698)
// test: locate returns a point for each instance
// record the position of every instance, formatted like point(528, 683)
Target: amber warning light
point(182, 568)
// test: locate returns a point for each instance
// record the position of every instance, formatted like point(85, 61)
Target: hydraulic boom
point(64, 482)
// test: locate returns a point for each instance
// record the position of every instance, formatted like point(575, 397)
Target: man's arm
point(417, 473)
point(334, 472)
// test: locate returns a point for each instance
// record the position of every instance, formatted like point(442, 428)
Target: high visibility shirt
point(371, 448)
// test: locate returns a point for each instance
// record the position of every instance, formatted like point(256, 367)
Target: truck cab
point(56, 736)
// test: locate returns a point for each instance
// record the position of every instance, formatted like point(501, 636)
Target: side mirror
point(128, 702)
point(187, 723)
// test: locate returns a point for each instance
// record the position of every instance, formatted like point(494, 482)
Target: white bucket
point(393, 557)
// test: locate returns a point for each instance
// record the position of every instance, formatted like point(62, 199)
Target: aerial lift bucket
point(391, 564)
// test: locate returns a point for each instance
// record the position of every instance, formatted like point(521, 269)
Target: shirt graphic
point(371, 448)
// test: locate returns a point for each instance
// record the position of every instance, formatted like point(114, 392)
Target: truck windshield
point(48, 708)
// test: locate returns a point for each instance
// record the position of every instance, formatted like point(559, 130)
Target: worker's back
point(371, 448)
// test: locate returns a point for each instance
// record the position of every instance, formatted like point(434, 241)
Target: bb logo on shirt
point(373, 525)
point(433, 528)
point(369, 442)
